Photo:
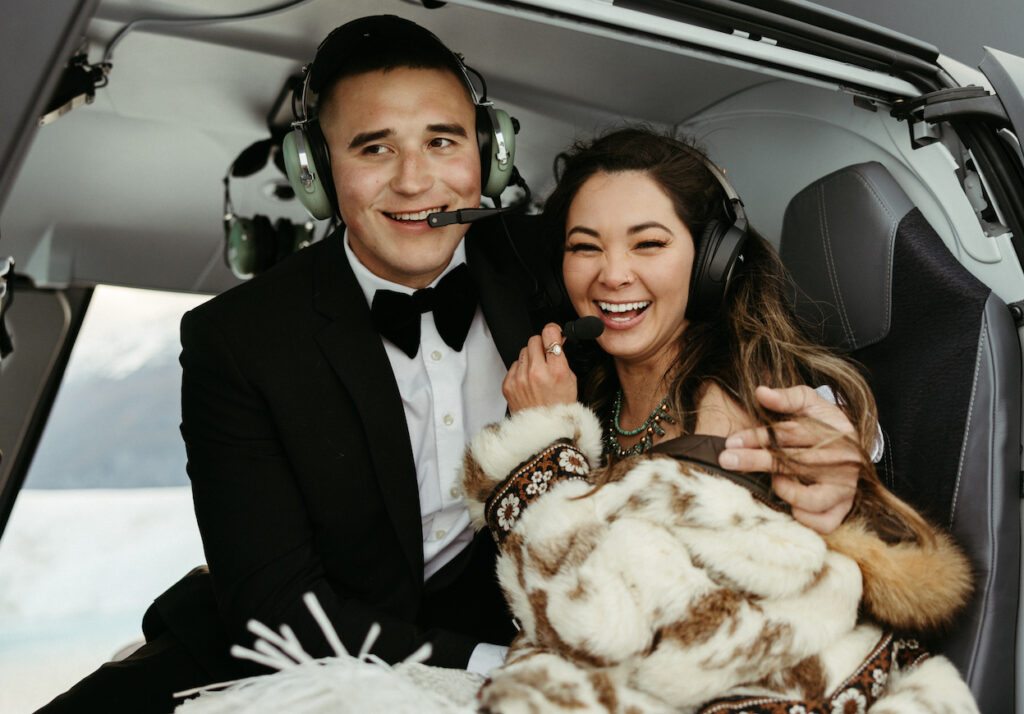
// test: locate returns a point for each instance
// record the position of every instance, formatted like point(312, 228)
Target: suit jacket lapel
point(355, 351)
point(502, 300)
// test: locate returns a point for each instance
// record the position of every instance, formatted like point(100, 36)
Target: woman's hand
point(833, 469)
point(541, 376)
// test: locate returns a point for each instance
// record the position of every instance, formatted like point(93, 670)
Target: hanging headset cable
point(108, 52)
point(536, 292)
point(6, 298)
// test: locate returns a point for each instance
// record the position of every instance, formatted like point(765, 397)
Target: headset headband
point(739, 215)
point(374, 43)
point(346, 41)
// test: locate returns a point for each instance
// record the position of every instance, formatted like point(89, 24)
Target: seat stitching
point(893, 227)
point(989, 570)
point(833, 276)
point(983, 333)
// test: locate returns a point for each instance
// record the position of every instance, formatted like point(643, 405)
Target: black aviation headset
point(718, 251)
point(307, 158)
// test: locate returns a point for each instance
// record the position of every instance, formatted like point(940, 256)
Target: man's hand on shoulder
point(821, 487)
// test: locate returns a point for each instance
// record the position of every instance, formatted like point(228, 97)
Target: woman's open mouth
point(621, 312)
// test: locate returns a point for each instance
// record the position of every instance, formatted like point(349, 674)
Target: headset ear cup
point(264, 243)
point(299, 236)
point(239, 249)
point(283, 242)
point(308, 173)
point(290, 238)
point(695, 305)
point(496, 136)
point(715, 259)
point(322, 155)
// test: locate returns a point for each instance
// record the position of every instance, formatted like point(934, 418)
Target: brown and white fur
point(669, 587)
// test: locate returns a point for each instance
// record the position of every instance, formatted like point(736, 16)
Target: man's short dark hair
point(378, 43)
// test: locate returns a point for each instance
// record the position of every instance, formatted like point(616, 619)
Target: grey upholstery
point(940, 351)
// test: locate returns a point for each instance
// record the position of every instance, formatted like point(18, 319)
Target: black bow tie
point(453, 302)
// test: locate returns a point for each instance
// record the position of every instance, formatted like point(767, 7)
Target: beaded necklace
point(650, 428)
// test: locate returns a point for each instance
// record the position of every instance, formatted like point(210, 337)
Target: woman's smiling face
point(628, 259)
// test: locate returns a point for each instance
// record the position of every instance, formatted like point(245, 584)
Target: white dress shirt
point(447, 396)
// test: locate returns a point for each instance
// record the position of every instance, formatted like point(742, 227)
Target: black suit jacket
point(301, 467)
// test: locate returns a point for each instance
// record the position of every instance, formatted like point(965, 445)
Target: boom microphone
point(463, 215)
point(468, 215)
point(585, 328)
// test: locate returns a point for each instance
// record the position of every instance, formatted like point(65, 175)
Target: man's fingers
point(757, 437)
point(804, 401)
point(787, 400)
point(787, 434)
point(745, 460)
point(808, 462)
point(823, 523)
point(816, 498)
point(794, 433)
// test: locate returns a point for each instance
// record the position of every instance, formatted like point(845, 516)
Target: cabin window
point(104, 522)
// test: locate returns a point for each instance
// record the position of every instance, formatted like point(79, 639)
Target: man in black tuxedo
point(324, 458)
point(323, 447)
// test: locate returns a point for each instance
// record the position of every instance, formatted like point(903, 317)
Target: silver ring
point(554, 349)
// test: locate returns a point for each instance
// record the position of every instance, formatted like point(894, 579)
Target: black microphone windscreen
point(585, 328)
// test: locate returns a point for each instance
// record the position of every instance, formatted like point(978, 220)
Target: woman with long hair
point(639, 568)
point(668, 365)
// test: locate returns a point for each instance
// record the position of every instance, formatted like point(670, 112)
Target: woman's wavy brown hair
point(754, 339)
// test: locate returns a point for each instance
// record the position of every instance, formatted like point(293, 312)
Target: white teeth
point(622, 306)
point(418, 216)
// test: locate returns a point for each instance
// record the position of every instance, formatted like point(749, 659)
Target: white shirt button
point(440, 534)
point(436, 355)
point(455, 492)
point(449, 420)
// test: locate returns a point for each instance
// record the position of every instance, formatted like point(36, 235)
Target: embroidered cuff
point(559, 462)
point(858, 692)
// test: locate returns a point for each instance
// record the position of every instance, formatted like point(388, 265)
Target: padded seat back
point(942, 356)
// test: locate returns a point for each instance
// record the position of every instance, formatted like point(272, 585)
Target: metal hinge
point(924, 112)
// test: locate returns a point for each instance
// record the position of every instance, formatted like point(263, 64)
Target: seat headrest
point(837, 241)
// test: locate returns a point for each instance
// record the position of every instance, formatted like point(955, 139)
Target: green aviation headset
point(252, 245)
point(307, 158)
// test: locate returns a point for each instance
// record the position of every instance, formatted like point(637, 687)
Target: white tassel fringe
point(339, 684)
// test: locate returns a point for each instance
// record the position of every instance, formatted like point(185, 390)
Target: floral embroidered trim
point(854, 696)
point(560, 461)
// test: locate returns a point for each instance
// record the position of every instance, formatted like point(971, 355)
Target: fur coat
point(671, 588)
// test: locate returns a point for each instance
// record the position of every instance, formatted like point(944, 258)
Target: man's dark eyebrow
point(368, 136)
point(582, 229)
point(456, 129)
point(644, 226)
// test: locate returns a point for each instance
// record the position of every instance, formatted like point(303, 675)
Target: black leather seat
point(942, 355)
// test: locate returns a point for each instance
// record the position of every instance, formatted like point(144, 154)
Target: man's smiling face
point(403, 145)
